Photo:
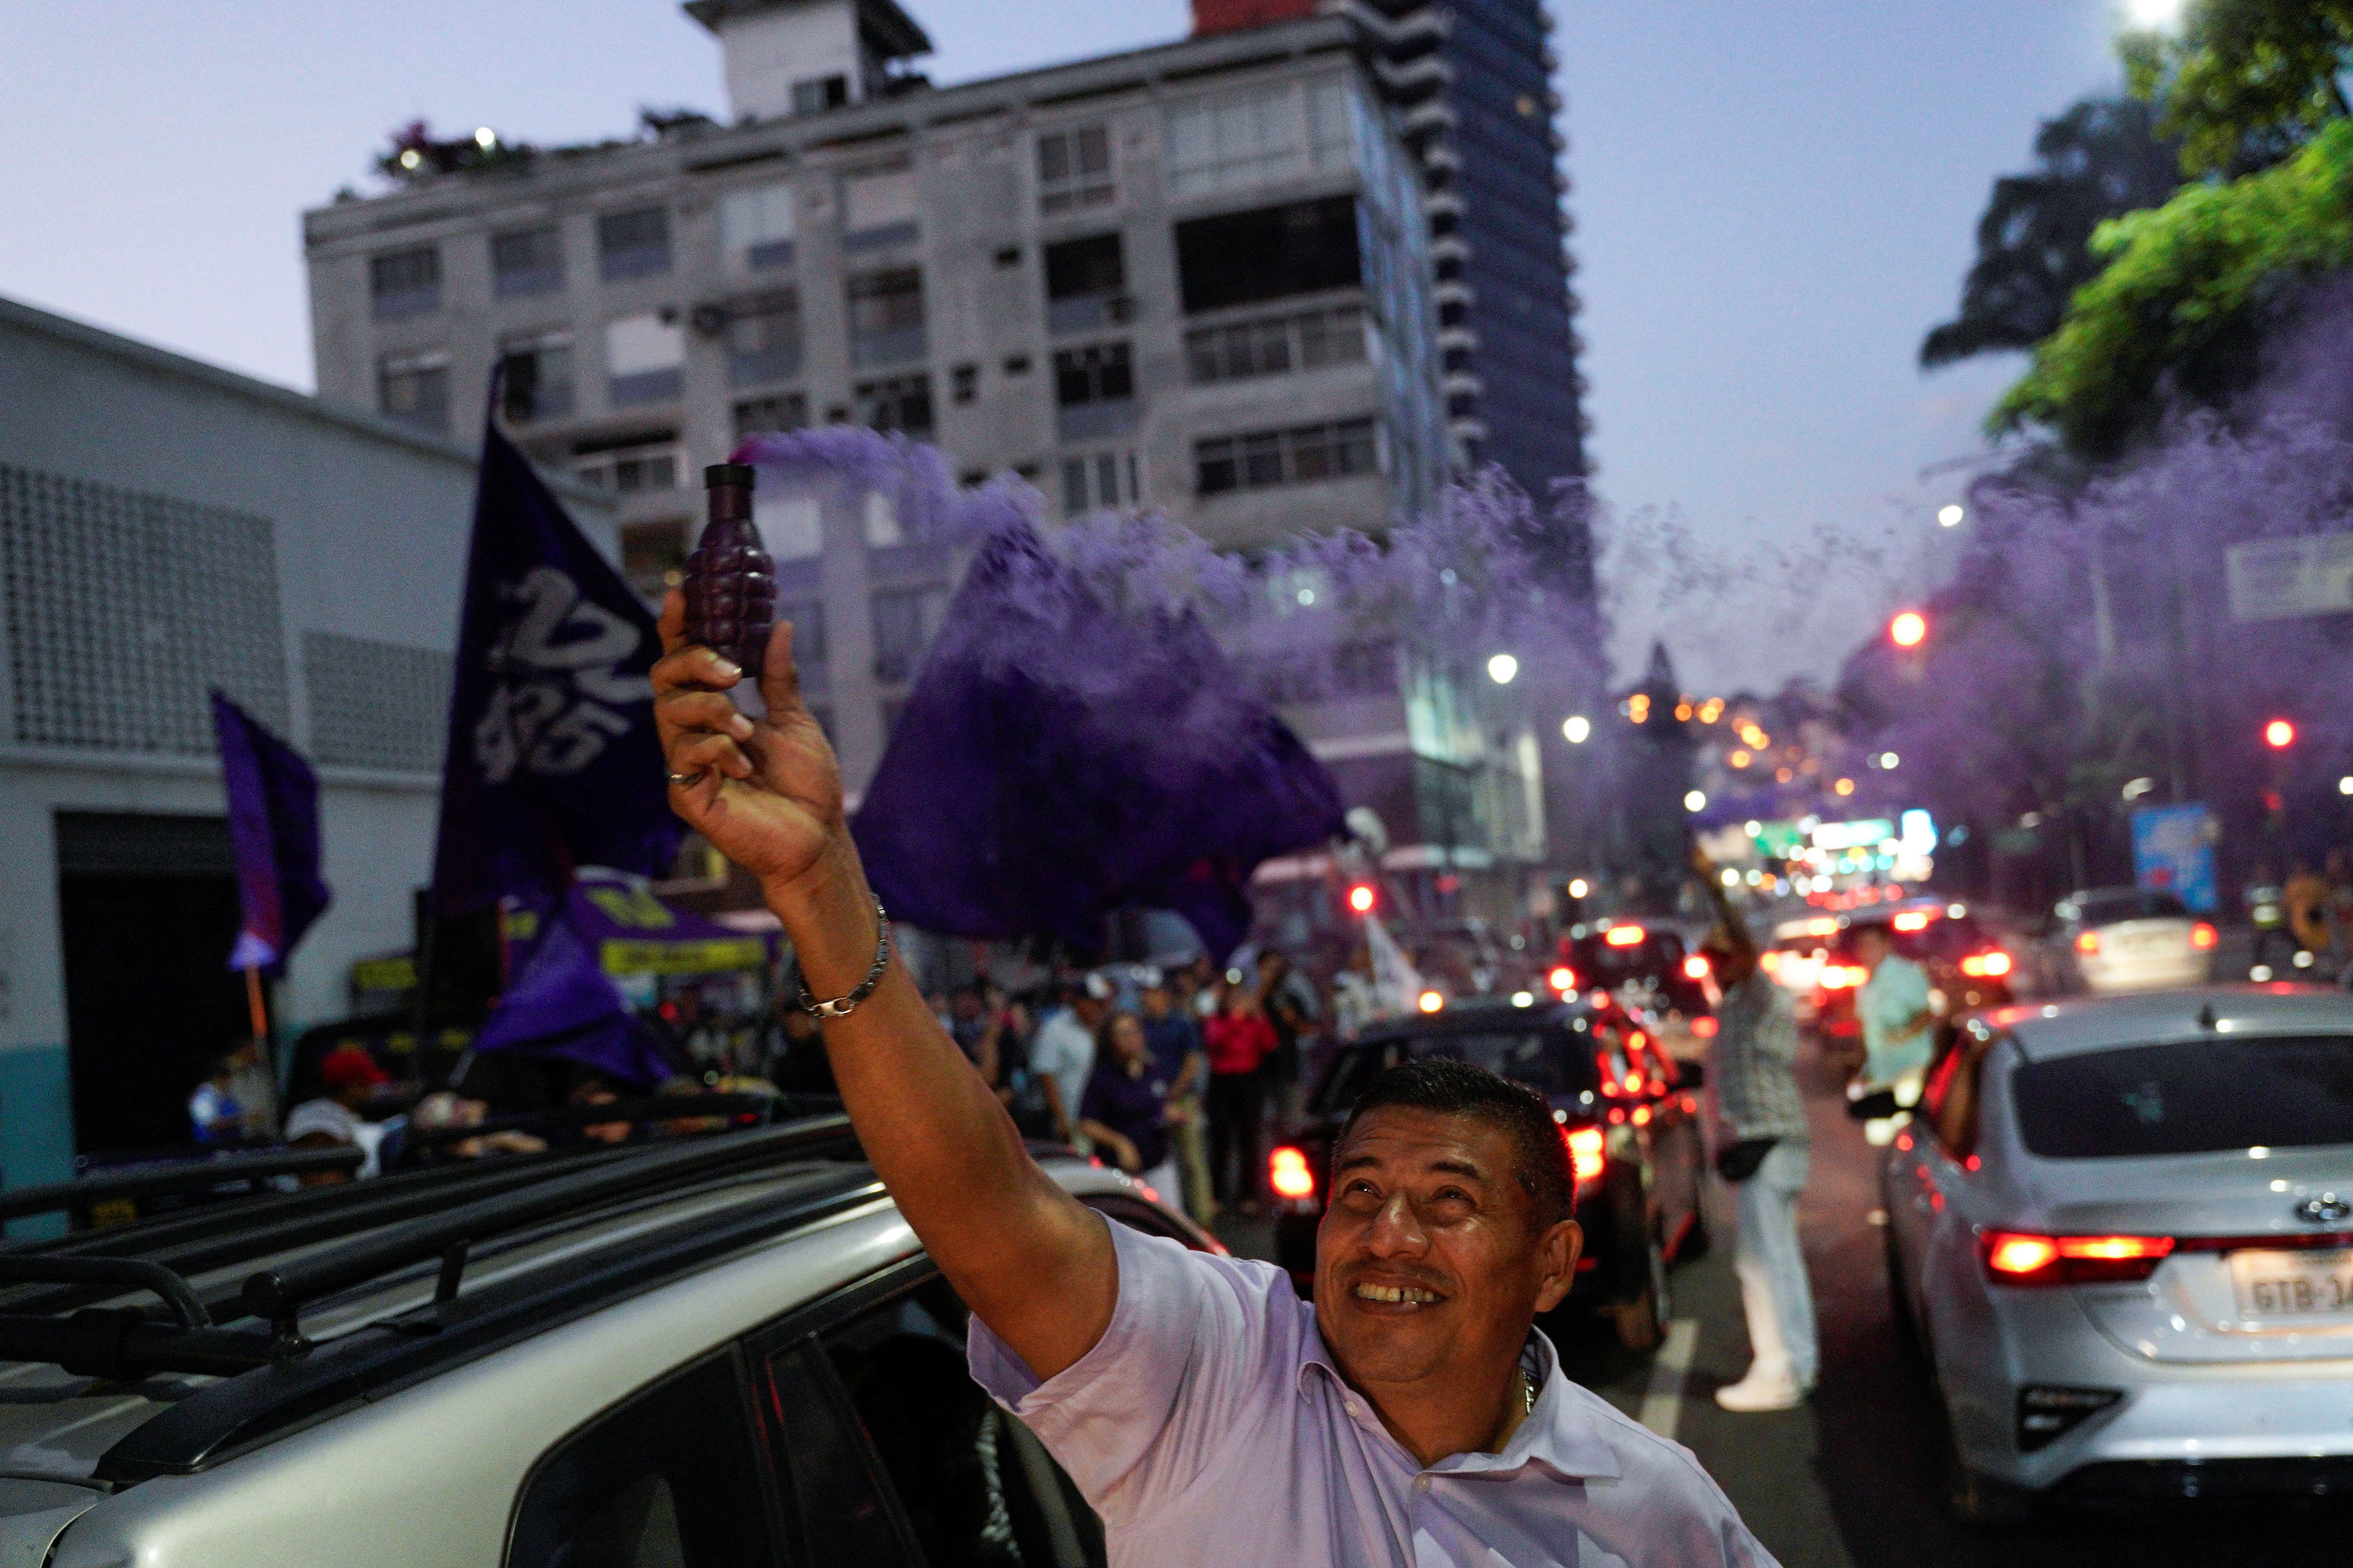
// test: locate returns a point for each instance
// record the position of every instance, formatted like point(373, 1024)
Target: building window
point(878, 209)
point(630, 465)
point(526, 261)
point(1283, 132)
point(633, 243)
point(757, 225)
point(414, 390)
point(1299, 456)
point(764, 338)
point(1074, 170)
point(905, 620)
point(902, 404)
point(645, 358)
point(653, 554)
point(404, 283)
point(886, 318)
point(1016, 364)
point(1269, 253)
point(1094, 392)
point(1274, 345)
point(963, 383)
point(766, 416)
point(1086, 283)
point(819, 94)
point(1100, 481)
point(534, 376)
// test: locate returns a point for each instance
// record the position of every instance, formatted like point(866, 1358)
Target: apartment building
point(1196, 278)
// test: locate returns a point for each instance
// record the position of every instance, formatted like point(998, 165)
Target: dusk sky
point(1774, 202)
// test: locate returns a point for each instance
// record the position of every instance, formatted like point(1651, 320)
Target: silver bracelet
point(843, 1006)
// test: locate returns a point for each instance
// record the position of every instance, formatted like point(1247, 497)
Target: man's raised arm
point(1035, 1265)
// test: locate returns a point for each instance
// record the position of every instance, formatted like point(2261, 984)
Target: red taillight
point(1287, 1172)
point(2203, 936)
point(1563, 979)
point(1985, 965)
point(2015, 1258)
point(1911, 920)
point(1623, 936)
point(1842, 976)
point(2088, 941)
point(1703, 1026)
point(1588, 1156)
point(1641, 1116)
point(1696, 967)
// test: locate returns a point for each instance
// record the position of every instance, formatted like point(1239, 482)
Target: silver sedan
point(2122, 1230)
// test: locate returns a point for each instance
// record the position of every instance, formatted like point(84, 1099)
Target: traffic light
point(1908, 629)
point(1362, 898)
point(2279, 735)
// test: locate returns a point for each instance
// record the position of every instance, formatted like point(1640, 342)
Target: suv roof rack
point(744, 1109)
point(177, 1176)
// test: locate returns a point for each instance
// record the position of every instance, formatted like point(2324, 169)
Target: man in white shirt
point(1063, 1054)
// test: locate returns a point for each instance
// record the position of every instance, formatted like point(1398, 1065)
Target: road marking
point(1663, 1401)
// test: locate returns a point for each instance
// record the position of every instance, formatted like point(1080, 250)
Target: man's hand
point(768, 794)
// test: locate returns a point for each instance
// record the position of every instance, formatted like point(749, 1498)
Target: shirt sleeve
point(1198, 1349)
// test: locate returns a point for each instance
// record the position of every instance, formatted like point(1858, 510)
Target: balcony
point(766, 365)
point(1089, 312)
point(1104, 421)
point(897, 345)
point(646, 387)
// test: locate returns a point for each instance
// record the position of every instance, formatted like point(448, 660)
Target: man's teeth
point(1395, 1294)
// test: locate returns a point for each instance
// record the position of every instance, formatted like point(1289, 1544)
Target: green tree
point(2100, 158)
point(2187, 291)
point(2247, 82)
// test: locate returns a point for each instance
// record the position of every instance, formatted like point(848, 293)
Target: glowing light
point(1911, 920)
point(1431, 1001)
point(1950, 516)
point(485, 138)
point(2203, 937)
point(1695, 801)
point(1585, 1155)
point(1287, 1172)
point(1576, 729)
point(1638, 709)
point(2153, 15)
point(1524, 998)
point(1503, 670)
point(1985, 965)
point(2088, 942)
point(1579, 886)
point(411, 159)
point(1306, 595)
point(2345, 784)
point(1361, 898)
point(1696, 967)
point(2021, 1254)
point(1641, 1116)
point(1563, 979)
point(1889, 759)
point(1711, 711)
point(1844, 786)
point(1624, 936)
point(1732, 879)
point(1740, 759)
point(2279, 735)
point(1683, 711)
point(1909, 629)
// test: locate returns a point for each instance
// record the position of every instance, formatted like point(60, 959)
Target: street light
point(1909, 629)
point(1950, 516)
point(2279, 735)
point(1361, 898)
point(1888, 761)
point(485, 138)
point(1695, 801)
point(1502, 668)
point(1579, 886)
point(1577, 729)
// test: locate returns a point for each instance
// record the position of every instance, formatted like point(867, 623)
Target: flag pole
point(256, 1006)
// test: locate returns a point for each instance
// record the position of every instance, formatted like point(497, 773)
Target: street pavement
point(1854, 1479)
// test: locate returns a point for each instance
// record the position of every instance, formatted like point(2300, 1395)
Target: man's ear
point(1556, 1254)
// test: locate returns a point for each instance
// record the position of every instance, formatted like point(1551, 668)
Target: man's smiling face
point(1432, 1259)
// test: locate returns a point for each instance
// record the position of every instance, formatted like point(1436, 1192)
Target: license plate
point(2292, 1284)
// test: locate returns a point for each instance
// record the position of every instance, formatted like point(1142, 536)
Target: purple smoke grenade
point(730, 582)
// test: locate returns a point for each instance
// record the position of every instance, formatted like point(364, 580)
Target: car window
point(1350, 1071)
point(1543, 1060)
point(976, 1488)
point(849, 1521)
point(2138, 904)
point(2188, 1097)
point(1950, 1101)
point(668, 1479)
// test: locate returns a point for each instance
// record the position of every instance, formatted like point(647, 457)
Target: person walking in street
point(1410, 1414)
point(1239, 1040)
point(1288, 1000)
point(1176, 1043)
point(1762, 1148)
point(1898, 1028)
point(1126, 1113)
point(1063, 1054)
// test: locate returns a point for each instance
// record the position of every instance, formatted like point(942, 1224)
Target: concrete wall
point(368, 527)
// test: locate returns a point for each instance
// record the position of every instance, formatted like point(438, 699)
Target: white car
point(2124, 1236)
point(2130, 939)
point(715, 1350)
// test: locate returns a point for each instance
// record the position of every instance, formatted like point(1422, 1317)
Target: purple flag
point(552, 760)
point(561, 1004)
point(1056, 762)
point(273, 832)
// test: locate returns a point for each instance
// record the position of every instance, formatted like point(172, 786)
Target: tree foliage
point(2246, 82)
point(2187, 291)
point(2099, 159)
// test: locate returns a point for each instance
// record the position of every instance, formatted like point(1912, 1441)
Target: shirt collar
point(1556, 1435)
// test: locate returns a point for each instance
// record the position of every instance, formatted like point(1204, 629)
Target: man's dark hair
point(1539, 1154)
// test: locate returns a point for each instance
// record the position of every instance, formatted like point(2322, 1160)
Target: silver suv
point(725, 1349)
